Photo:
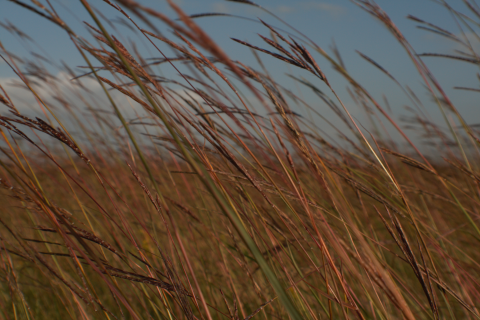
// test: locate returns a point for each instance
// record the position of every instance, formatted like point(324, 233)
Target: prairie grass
point(201, 203)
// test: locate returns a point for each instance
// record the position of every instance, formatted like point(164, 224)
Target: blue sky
point(323, 21)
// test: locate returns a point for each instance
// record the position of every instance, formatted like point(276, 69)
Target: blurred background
point(329, 24)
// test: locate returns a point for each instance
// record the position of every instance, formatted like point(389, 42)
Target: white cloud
point(60, 85)
point(447, 43)
point(22, 99)
point(333, 9)
point(472, 39)
point(329, 8)
point(220, 7)
point(285, 9)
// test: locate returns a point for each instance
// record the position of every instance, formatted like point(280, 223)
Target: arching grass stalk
point(204, 176)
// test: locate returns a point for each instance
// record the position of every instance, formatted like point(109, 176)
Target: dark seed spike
point(276, 55)
point(246, 2)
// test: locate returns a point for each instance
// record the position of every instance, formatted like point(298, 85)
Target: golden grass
point(206, 208)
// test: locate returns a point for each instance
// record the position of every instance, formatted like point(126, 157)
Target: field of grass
point(219, 201)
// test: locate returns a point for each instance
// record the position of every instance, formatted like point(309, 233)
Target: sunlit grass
point(201, 203)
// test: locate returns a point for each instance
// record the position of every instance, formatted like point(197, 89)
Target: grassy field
point(202, 204)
